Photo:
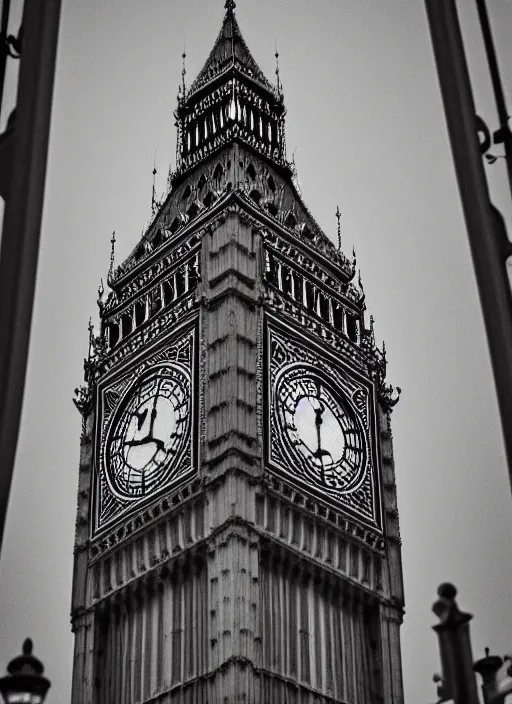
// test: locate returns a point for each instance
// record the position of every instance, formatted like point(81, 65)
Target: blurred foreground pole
point(25, 178)
point(503, 134)
point(485, 226)
point(459, 682)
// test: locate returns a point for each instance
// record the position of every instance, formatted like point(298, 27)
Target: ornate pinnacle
point(230, 5)
point(278, 79)
point(338, 215)
point(112, 257)
point(182, 87)
point(360, 283)
point(154, 204)
point(90, 327)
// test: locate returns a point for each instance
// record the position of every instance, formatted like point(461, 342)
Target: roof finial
point(338, 215)
point(230, 5)
point(183, 73)
point(278, 79)
point(112, 256)
point(153, 198)
point(90, 327)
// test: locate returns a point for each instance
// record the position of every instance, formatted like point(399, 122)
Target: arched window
point(310, 295)
point(352, 328)
point(271, 269)
point(192, 211)
point(297, 287)
point(141, 251)
point(168, 292)
point(126, 324)
point(307, 232)
point(251, 172)
point(157, 239)
point(209, 199)
point(337, 316)
point(291, 220)
point(140, 313)
point(113, 333)
point(324, 307)
point(174, 225)
point(180, 282)
point(193, 273)
point(286, 278)
point(217, 174)
point(255, 195)
point(155, 302)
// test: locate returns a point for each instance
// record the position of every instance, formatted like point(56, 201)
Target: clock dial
point(148, 432)
point(321, 434)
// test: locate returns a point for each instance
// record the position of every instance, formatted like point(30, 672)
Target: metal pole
point(485, 227)
point(22, 222)
point(6, 5)
point(455, 647)
point(504, 133)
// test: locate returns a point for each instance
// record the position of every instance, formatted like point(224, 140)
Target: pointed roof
point(229, 50)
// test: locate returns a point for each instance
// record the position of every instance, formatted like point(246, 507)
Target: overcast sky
point(366, 124)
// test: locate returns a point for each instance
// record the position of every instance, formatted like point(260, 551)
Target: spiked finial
point(154, 204)
point(338, 215)
point(90, 327)
point(112, 255)
point(278, 78)
point(360, 282)
point(230, 5)
point(183, 74)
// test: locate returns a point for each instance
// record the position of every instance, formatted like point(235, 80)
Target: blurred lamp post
point(25, 683)
point(459, 682)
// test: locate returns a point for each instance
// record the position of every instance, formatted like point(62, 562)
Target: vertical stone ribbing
point(230, 292)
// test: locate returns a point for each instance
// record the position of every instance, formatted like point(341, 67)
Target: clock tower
point(237, 532)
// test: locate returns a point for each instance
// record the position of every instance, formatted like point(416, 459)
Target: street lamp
point(25, 683)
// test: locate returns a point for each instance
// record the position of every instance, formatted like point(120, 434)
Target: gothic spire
point(229, 50)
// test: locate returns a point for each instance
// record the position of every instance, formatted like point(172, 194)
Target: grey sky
point(366, 121)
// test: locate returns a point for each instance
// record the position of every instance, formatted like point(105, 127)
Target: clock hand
point(318, 422)
point(149, 437)
point(144, 441)
point(141, 417)
point(154, 411)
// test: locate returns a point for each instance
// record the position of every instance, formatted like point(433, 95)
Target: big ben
point(237, 533)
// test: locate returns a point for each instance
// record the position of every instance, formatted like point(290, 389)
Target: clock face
point(321, 434)
point(148, 432)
